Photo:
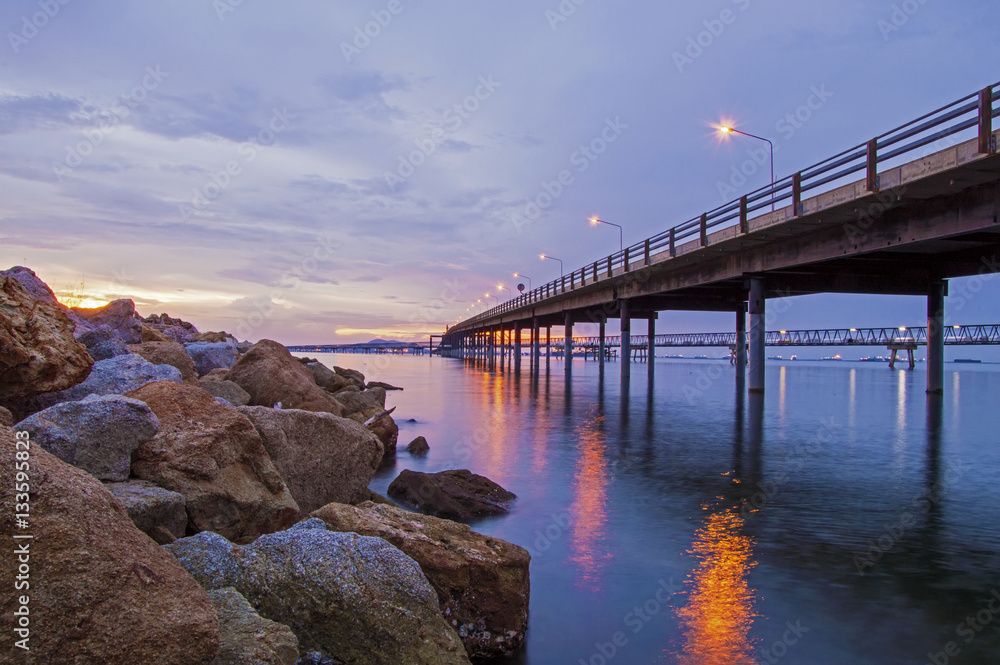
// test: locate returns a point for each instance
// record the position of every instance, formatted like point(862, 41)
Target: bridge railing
point(972, 112)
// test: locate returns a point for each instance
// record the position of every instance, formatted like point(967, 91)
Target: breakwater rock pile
point(194, 499)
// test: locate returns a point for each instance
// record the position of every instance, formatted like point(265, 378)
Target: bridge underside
point(903, 240)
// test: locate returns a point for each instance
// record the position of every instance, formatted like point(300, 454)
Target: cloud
point(42, 112)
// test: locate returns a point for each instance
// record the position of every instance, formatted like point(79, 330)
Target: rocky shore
point(186, 498)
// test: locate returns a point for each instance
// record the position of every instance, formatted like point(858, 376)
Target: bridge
point(893, 215)
point(382, 347)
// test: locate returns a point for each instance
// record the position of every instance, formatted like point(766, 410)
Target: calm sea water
point(844, 517)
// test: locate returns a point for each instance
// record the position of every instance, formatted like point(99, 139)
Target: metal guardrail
point(976, 110)
point(953, 335)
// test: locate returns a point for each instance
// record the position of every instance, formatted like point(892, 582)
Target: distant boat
point(967, 360)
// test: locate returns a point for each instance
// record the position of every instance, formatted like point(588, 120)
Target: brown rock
point(168, 353)
point(325, 377)
point(150, 334)
point(321, 457)
point(119, 315)
point(214, 337)
point(227, 390)
point(418, 446)
point(248, 639)
point(482, 583)
point(212, 455)
point(157, 512)
point(354, 402)
point(217, 374)
point(38, 353)
point(6, 417)
point(271, 375)
point(458, 495)
point(101, 591)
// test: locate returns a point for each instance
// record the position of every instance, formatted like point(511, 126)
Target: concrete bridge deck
point(904, 227)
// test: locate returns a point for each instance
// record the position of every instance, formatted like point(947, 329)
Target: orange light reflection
point(589, 510)
point(719, 613)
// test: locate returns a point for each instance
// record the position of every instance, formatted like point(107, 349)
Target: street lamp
point(595, 222)
point(493, 296)
point(729, 130)
point(509, 293)
point(517, 274)
point(552, 258)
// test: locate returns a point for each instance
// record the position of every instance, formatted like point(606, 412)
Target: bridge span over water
point(894, 215)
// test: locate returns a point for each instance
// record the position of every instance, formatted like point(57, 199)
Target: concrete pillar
point(935, 337)
point(601, 346)
point(741, 343)
point(757, 334)
point(548, 345)
point(651, 345)
point(568, 343)
point(536, 344)
point(517, 346)
point(626, 346)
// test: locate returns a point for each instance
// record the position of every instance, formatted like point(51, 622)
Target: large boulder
point(352, 375)
point(384, 427)
point(101, 591)
point(168, 353)
point(179, 334)
point(271, 375)
point(150, 334)
point(227, 390)
point(482, 582)
point(157, 512)
point(245, 638)
point(211, 454)
point(358, 599)
point(355, 402)
point(418, 446)
point(164, 321)
point(321, 457)
point(96, 434)
point(102, 343)
point(211, 355)
point(214, 336)
point(326, 378)
point(458, 495)
point(38, 353)
point(114, 376)
point(118, 315)
point(38, 289)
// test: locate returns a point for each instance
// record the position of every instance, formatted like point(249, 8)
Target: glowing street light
point(493, 296)
point(730, 130)
point(552, 258)
point(621, 245)
point(517, 274)
point(509, 292)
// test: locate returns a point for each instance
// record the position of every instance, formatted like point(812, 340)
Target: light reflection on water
point(657, 487)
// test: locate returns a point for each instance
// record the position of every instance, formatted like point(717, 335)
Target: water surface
point(843, 517)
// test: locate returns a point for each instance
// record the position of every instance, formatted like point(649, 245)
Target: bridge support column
point(757, 334)
point(517, 346)
point(626, 344)
point(741, 344)
point(651, 346)
point(568, 343)
point(601, 346)
point(548, 346)
point(935, 337)
point(536, 344)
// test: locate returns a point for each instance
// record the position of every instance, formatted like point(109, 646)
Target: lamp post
point(494, 296)
point(517, 274)
point(730, 130)
point(509, 293)
point(621, 244)
point(552, 258)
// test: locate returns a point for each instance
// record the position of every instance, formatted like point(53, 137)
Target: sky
point(319, 172)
